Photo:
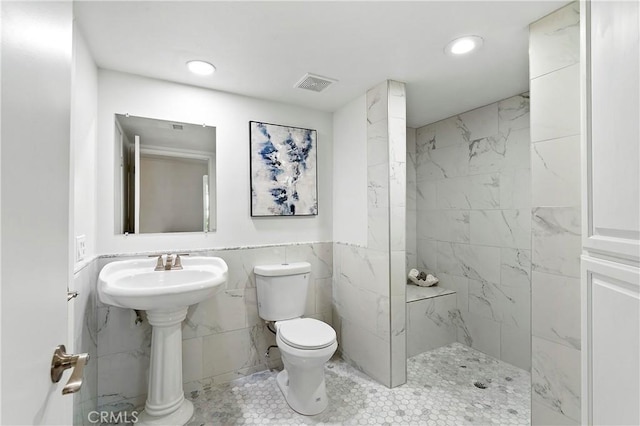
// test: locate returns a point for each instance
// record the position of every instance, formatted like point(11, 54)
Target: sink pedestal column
point(166, 404)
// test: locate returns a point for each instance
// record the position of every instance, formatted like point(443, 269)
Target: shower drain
point(480, 385)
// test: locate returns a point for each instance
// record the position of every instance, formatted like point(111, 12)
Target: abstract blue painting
point(283, 170)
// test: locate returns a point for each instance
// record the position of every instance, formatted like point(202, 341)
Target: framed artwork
point(283, 170)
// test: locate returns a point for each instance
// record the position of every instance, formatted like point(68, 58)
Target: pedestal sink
point(165, 295)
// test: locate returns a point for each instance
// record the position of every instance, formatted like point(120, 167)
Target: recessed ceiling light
point(463, 45)
point(201, 67)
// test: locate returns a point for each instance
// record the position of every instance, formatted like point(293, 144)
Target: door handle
point(62, 361)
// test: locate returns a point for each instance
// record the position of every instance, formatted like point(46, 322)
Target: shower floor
point(451, 385)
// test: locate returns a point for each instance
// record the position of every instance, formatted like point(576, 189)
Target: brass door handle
point(62, 361)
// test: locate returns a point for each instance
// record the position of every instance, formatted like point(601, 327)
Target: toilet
point(305, 344)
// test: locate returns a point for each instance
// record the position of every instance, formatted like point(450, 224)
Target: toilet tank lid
point(282, 269)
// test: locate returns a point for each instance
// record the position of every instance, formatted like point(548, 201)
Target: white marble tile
point(378, 186)
point(242, 261)
point(518, 153)
point(480, 122)
point(515, 269)
point(541, 415)
point(425, 138)
point(377, 143)
point(225, 311)
point(251, 307)
point(427, 255)
point(378, 228)
point(319, 255)
point(411, 232)
point(554, 41)
point(427, 224)
point(374, 271)
point(475, 262)
point(227, 352)
point(377, 99)
point(555, 304)
point(555, 377)
point(515, 189)
point(397, 99)
point(397, 184)
point(430, 324)
point(515, 346)
point(555, 168)
point(397, 237)
point(383, 319)
point(469, 192)
point(458, 284)
point(502, 228)
point(478, 332)
point(323, 295)
point(426, 196)
point(192, 359)
point(364, 308)
point(513, 113)
point(117, 331)
point(556, 240)
point(366, 351)
point(123, 375)
point(397, 139)
point(398, 276)
point(440, 163)
point(506, 305)
point(500, 152)
point(453, 226)
point(556, 110)
point(450, 132)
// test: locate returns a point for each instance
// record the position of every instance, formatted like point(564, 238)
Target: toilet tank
point(282, 290)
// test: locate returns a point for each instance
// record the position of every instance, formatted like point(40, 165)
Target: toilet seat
point(306, 333)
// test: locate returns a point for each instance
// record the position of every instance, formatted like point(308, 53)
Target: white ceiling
point(262, 49)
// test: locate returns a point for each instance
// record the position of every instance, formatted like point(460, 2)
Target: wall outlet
point(81, 247)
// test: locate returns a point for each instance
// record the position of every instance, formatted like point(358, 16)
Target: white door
point(35, 244)
point(611, 214)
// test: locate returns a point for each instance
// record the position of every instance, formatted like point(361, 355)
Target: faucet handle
point(168, 265)
point(159, 264)
point(178, 263)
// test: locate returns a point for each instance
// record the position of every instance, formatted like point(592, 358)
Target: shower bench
point(430, 318)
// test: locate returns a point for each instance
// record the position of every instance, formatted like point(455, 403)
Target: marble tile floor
point(441, 389)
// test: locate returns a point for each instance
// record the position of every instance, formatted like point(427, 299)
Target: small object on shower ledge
point(422, 279)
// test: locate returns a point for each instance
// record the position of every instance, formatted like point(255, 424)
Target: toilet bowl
point(305, 345)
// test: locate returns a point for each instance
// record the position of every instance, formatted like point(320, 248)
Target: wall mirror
point(164, 176)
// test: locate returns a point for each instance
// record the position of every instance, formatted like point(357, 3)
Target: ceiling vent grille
point(315, 83)
point(177, 126)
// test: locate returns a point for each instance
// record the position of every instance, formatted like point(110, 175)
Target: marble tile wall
point(369, 282)
point(555, 217)
point(223, 337)
point(83, 312)
point(411, 222)
point(474, 222)
point(430, 315)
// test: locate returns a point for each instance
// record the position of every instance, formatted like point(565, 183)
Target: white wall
point(84, 115)
point(350, 173)
point(230, 114)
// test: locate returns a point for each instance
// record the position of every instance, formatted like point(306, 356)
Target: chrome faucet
point(169, 264)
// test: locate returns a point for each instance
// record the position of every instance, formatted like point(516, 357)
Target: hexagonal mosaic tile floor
point(452, 385)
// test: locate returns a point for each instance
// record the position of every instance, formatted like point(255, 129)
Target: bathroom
point(495, 194)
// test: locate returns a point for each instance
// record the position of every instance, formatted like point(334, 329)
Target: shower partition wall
point(369, 278)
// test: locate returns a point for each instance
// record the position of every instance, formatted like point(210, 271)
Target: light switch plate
point(81, 247)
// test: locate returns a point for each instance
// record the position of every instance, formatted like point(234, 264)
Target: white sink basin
point(134, 284)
